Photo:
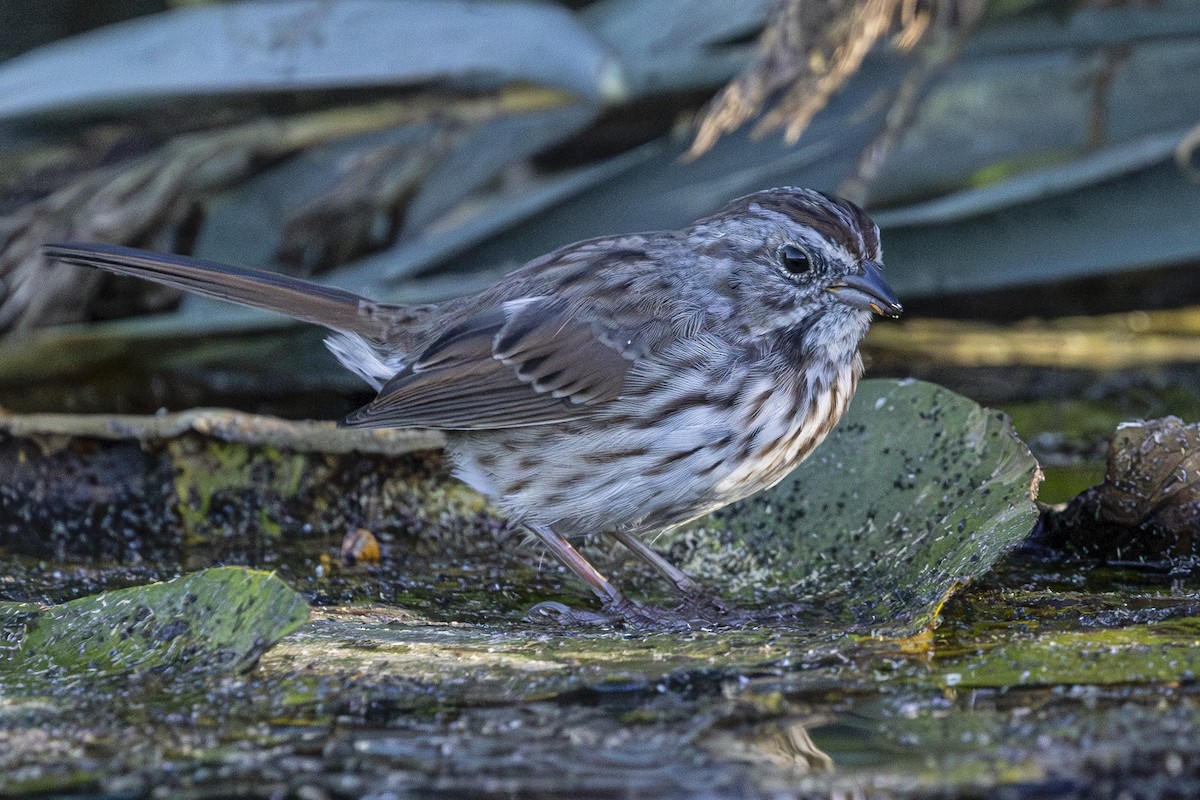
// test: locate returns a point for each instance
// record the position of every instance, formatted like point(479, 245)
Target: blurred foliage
point(1040, 117)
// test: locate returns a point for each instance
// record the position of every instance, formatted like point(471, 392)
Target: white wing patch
point(358, 355)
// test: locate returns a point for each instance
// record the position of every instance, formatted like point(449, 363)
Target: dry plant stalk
point(1185, 153)
point(810, 48)
point(363, 208)
point(132, 200)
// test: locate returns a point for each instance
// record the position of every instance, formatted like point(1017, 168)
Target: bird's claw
point(702, 605)
point(628, 614)
point(563, 614)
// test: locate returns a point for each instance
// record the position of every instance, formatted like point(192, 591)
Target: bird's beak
point(868, 292)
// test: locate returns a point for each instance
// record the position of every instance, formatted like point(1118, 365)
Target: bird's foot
point(623, 613)
point(700, 604)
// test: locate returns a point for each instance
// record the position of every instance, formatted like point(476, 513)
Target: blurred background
point(1031, 162)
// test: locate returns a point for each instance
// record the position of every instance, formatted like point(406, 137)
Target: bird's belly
point(583, 478)
point(597, 474)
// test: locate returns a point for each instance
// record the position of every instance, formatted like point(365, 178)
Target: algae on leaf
point(915, 493)
point(216, 621)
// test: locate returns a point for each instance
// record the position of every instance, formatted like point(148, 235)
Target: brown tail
point(324, 305)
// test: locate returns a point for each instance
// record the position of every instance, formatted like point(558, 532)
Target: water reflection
point(782, 744)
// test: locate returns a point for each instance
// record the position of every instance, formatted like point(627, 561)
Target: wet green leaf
point(215, 621)
point(915, 493)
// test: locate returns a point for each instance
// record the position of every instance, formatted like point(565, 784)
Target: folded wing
point(529, 361)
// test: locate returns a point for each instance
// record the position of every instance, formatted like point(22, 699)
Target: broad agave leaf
point(1142, 219)
point(296, 45)
point(667, 46)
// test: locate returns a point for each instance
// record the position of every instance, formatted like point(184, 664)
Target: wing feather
point(530, 361)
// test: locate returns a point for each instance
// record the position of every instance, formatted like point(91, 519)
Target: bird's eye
point(795, 260)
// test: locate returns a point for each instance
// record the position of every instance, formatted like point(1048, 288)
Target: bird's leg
point(691, 591)
point(616, 604)
point(565, 552)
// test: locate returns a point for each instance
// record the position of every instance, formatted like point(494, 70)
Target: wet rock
point(1147, 508)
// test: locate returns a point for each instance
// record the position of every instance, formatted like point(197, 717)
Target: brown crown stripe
point(841, 222)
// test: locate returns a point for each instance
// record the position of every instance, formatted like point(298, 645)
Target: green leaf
point(215, 621)
point(915, 493)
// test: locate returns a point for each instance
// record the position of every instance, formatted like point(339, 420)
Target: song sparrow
point(625, 384)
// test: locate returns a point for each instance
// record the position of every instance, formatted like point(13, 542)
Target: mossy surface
point(1155, 652)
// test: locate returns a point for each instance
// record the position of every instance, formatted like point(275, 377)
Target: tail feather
point(333, 308)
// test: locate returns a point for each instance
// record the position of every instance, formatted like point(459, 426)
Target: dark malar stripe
point(791, 344)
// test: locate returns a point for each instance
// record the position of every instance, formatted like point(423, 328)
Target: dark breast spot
point(607, 456)
point(671, 407)
point(667, 463)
